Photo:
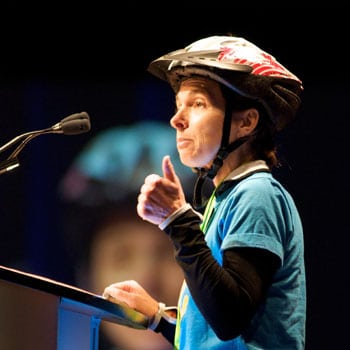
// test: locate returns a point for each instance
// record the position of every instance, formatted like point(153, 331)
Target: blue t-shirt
point(256, 212)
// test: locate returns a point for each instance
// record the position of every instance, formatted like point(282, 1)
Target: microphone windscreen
point(75, 126)
point(75, 116)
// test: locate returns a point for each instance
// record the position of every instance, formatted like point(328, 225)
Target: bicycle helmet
point(239, 65)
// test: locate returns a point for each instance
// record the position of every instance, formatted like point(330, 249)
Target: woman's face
point(199, 117)
point(134, 249)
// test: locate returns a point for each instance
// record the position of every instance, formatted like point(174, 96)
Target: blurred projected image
point(105, 237)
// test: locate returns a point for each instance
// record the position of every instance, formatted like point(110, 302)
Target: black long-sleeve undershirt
point(228, 295)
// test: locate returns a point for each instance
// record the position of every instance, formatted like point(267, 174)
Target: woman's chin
point(192, 162)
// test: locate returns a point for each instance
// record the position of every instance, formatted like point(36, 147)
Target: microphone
point(74, 124)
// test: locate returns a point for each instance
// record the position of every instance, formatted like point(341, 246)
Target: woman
point(244, 278)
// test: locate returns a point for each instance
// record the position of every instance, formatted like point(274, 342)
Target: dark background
point(58, 59)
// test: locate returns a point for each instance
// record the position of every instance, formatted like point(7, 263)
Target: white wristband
point(161, 313)
point(176, 214)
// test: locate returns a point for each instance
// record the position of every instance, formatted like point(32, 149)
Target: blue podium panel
point(77, 330)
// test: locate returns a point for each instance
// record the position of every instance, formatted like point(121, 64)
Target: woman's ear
point(247, 121)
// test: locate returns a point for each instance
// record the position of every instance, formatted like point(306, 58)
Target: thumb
point(168, 169)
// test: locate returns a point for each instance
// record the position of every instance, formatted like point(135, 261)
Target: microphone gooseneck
point(74, 124)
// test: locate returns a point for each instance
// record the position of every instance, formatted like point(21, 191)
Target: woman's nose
point(178, 120)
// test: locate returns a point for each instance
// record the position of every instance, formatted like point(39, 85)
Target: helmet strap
point(203, 174)
point(225, 149)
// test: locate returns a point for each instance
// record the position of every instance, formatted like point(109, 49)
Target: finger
point(151, 179)
point(168, 169)
point(111, 290)
point(115, 295)
point(127, 286)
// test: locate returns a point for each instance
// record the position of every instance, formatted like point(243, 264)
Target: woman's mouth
point(182, 142)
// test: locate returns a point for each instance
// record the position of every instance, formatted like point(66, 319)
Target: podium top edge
point(74, 297)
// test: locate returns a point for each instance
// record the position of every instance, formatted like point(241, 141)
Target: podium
point(37, 313)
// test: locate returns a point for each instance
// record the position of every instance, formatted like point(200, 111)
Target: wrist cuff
point(162, 313)
point(176, 214)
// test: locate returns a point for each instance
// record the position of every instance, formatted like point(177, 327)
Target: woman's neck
point(232, 162)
